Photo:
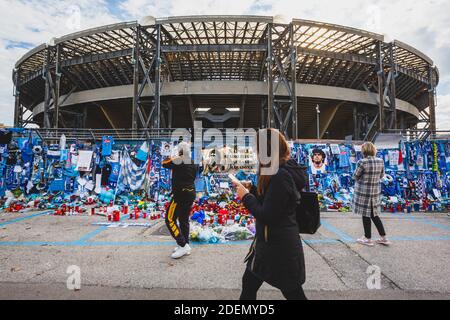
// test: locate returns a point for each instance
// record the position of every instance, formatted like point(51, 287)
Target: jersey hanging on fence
point(131, 175)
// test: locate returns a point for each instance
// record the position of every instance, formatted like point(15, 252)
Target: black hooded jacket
point(276, 255)
point(183, 175)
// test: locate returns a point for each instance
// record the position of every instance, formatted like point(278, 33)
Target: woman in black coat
point(276, 255)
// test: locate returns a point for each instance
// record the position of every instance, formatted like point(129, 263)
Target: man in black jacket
point(184, 172)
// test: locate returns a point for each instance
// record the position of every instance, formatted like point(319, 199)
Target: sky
point(424, 25)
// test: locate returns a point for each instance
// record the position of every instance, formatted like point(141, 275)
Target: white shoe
point(365, 241)
point(384, 241)
point(178, 247)
point(181, 252)
point(189, 249)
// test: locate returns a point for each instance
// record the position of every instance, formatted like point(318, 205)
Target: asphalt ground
point(37, 249)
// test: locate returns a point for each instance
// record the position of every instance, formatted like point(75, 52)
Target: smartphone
point(233, 178)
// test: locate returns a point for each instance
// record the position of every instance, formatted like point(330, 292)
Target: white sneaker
point(365, 241)
point(181, 252)
point(384, 241)
point(178, 247)
point(189, 249)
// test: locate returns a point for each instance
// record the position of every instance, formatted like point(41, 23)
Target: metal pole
point(270, 122)
point(84, 121)
point(17, 109)
point(380, 74)
point(263, 114)
point(393, 92)
point(158, 78)
point(47, 90)
point(318, 121)
point(402, 121)
point(294, 85)
point(170, 113)
point(57, 86)
point(431, 99)
point(135, 106)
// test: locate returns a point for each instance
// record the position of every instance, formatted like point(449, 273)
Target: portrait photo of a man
point(317, 161)
point(166, 149)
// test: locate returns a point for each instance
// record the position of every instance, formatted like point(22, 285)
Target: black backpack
point(307, 211)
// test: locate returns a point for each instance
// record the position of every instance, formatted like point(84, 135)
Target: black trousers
point(251, 285)
point(368, 225)
point(177, 217)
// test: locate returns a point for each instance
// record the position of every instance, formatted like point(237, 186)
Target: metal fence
point(50, 135)
point(75, 134)
point(420, 134)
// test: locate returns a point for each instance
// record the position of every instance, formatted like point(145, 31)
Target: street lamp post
point(318, 121)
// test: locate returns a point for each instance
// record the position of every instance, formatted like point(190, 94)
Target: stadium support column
point(47, 93)
point(380, 77)
point(242, 112)
point(269, 122)
point(84, 118)
point(170, 114)
point(263, 113)
point(191, 110)
point(57, 86)
point(392, 88)
point(387, 74)
point(158, 78)
point(432, 100)
point(294, 85)
point(134, 112)
point(18, 112)
point(282, 60)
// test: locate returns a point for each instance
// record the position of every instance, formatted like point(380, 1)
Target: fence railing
point(76, 134)
point(420, 134)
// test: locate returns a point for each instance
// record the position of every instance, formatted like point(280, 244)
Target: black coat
point(276, 255)
point(183, 175)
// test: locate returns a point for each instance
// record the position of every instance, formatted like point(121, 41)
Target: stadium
point(309, 79)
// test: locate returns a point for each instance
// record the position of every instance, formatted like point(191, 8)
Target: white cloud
point(211, 7)
point(141, 8)
point(35, 22)
point(443, 110)
point(8, 57)
point(424, 24)
point(137, 9)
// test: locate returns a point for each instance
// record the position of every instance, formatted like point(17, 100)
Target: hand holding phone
point(234, 180)
point(247, 184)
point(240, 188)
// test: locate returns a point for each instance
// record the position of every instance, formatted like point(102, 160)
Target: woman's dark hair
point(284, 154)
